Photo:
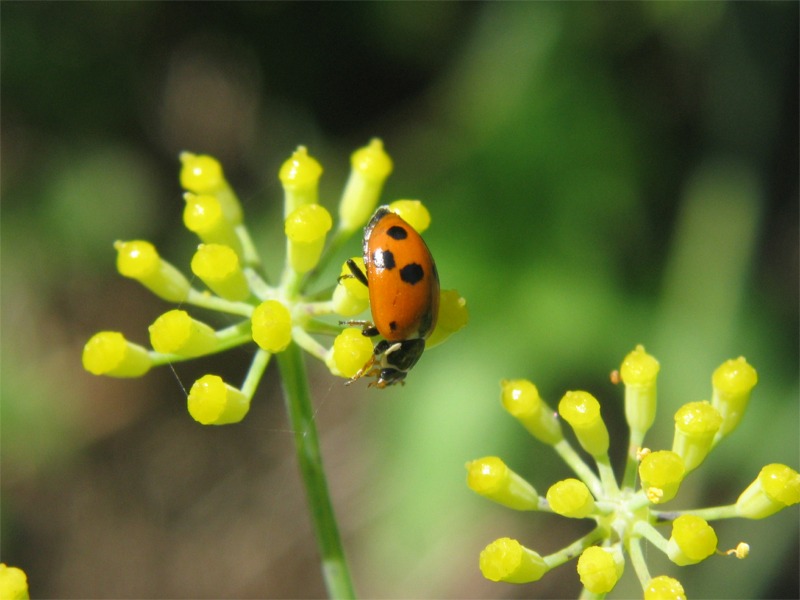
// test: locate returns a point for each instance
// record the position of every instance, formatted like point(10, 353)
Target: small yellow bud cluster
point(508, 560)
point(692, 540)
point(582, 411)
point(491, 478)
point(371, 166)
point(109, 353)
point(306, 228)
point(139, 260)
point(626, 514)
point(300, 178)
point(13, 583)
point(600, 568)
point(272, 316)
point(776, 487)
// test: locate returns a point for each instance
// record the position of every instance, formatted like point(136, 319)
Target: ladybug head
point(397, 359)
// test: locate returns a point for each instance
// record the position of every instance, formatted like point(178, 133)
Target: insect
point(403, 296)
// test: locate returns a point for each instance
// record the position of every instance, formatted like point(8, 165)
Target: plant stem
point(639, 563)
point(581, 469)
point(301, 417)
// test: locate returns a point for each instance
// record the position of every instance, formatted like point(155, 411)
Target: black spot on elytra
point(383, 259)
point(396, 232)
point(393, 325)
point(412, 273)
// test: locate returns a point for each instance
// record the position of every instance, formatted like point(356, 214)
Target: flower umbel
point(283, 318)
point(626, 514)
point(227, 262)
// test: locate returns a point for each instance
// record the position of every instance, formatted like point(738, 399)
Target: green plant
point(283, 319)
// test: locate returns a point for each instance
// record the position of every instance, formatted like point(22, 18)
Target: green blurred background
point(599, 175)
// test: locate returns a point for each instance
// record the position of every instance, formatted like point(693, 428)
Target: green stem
point(632, 461)
point(256, 371)
point(301, 417)
point(709, 514)
point(227, 338)
point(607, 477)
point(638, 561)
point(581, 469)
point(339, 239)
point(575, 548)
point(219, 304)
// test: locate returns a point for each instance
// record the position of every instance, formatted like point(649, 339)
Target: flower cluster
point(625, 515)
point(273, 315)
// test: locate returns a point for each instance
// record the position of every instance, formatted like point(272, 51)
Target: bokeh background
point(599, 175)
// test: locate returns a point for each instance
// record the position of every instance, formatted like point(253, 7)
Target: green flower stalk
point(296, 314)
point(626, 514)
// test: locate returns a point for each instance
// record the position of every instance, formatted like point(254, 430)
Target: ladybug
point(403, 296)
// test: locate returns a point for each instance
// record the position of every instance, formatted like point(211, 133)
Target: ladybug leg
point(368, 369)
point(367, 327)
point(381, 383)
point(355, 272)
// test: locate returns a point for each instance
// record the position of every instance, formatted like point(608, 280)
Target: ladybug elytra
point(403, 295)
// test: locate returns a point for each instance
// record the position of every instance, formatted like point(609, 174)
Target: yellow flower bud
point(272, 326)
point(664, 588)
point(109, 353)
point(662, 473)
point(453, 315)
point(638, 372)
point(306, 228)
point(692, 540)
point(204, 216)
point(582, 411)
point(776, 487)
point(218, 267)
point(732, 383)
point(570, 498)
point(213, 402)
point(13, 583)
point(412, 212)
point(600, 568)
point(491, 478)
point(521, 399)
point(300, 178)
point(202, 174)
point(139, 260)
point(350, 297)
point(175, 332)
point(370, 168)
point(696, 424)
point(351, 351)
point(508, 560)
